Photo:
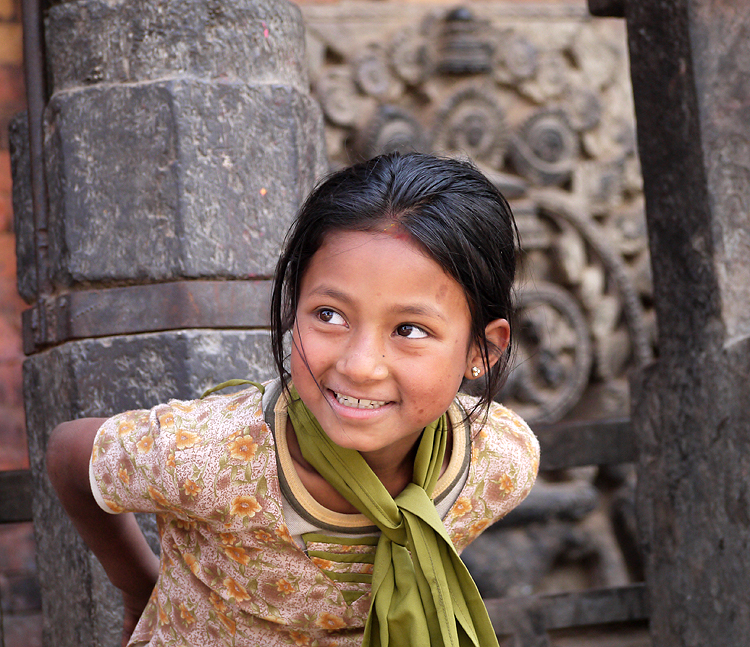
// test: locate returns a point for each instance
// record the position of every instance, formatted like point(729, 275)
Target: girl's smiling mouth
point(357, 403)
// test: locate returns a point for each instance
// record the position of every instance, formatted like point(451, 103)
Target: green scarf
point(422, 593)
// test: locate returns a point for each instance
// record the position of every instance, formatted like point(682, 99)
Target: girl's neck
point(393, 472)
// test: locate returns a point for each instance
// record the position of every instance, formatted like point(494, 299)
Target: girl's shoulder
point(216, 415)
point(246, 399)
point(503, 468)
point(201, 458)
point(499, 429)
point(498, 417)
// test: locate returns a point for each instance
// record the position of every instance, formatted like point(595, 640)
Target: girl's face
point(385, 333)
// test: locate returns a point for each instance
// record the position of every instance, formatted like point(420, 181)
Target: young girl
point(328, 507)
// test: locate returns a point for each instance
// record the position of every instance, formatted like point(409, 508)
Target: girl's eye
point(330, 316)
point(410, 331)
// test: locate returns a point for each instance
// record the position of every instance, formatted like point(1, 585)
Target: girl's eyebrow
point(333, 293)
point(421, 310)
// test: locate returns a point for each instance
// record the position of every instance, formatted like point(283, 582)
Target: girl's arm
point(115, 539)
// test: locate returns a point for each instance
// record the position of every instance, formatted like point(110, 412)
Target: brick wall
point(12, 437)
point(19, 592)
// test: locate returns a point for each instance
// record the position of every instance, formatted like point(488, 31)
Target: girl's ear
point(498, 336)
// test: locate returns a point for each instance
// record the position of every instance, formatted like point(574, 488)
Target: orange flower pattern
point(238, 554)
point(191, 488)
point(185, 614)
point(125, 428)
point(322, 564)
point(235, 590)
point(227, 622)
point(192, 563)
point(505, 484)
point(231, 572)
point(462, 506)
point(186, 439)
point(330, 622)
point(217, 602)
point(284, 587)
point(244, 506)
point(242, 449)
point(145, 444)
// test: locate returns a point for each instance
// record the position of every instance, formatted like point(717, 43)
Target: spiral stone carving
point(554, 354)
point(374, 76)
point(338, 96)
point(583, 108)
point(545, 149)
point(516, 57)
point(551, 79)
point(392, 129)
point(409, 56)
point(472, 122)
point(552, 205)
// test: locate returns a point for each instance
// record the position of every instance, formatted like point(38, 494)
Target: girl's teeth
point(348, 401)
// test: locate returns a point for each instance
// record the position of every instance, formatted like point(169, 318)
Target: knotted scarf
point(422, 593)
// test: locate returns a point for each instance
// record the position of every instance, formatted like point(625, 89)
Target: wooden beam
point(568, 610)
point(594, 442)
point(15, 496)
point(691, 89)
point(607, 8)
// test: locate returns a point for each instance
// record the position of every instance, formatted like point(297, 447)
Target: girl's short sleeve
point(130, 461)
point(206, 459)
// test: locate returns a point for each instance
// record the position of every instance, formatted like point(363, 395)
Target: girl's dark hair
point(457, 215)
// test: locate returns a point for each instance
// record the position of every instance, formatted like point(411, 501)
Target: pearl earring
point(475, 371)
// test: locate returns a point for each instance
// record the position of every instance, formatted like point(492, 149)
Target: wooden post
point(690, 63)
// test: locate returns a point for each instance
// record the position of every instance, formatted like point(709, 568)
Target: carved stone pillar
point(180, 139)
point(691, 82)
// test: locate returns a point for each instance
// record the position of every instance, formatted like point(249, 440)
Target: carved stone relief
point(540, 100)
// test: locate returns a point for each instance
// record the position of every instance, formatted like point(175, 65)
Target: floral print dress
point(220, 484)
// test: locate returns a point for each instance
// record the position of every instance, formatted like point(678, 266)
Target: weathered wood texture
point(691, 82)
point(529, 619)
point(593, 442)
point(15, 496)
point(607, 8)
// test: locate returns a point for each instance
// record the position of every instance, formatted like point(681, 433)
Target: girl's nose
point(363, 359)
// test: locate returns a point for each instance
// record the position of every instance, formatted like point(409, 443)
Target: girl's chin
point(377, 442)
